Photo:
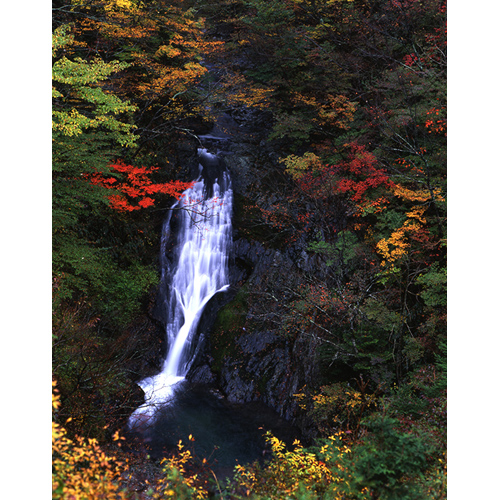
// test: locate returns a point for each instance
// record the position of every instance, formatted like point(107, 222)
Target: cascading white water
point(200, 271)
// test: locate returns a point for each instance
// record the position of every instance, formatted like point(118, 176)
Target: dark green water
point(226, 434)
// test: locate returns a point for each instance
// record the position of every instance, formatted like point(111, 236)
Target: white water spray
point(201, 271)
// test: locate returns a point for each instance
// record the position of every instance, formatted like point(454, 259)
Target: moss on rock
point(230, 321)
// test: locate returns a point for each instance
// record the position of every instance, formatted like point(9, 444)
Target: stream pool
point(225, 434)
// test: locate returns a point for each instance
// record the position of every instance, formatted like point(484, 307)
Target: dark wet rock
point(202, 375)
point(146, 344)
point(253, 357)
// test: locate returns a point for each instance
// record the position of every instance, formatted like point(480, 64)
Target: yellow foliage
point(302, 400)
point(287, 470)
point(339, 111)
point(420, 195)
point(120, 4)
point(167, 50)
point(337, 406)
point(162, 71)
point(176, 474)
point(168, 80)
point(298, 166)
point(396, 246)
point(334, 110)
point(118, 27)
point(81, 470)
point(234, 89)
point(417, 213)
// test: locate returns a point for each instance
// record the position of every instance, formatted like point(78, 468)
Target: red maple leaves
point(355, 175)
point(135, 187)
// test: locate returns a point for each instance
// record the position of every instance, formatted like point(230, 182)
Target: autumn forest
point(335, 113)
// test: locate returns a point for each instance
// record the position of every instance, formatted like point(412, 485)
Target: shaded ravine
point(199, 271)
point(193, 272)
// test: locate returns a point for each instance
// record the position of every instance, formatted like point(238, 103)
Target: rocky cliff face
point(248, 354)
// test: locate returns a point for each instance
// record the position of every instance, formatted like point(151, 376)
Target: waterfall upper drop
point(200, 270)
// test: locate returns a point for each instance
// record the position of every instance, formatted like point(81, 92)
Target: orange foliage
point(396, 246)
point(413, 231)
point(334, 110)
point(161, 66)
point(420, 195)
point(436, 122)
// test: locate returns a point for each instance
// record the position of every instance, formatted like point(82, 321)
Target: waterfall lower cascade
point(200, 271)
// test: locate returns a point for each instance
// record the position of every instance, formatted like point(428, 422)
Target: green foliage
point(434, 286)
point(379, 314)
point(342, 252)
point(339, 406)
point(291, 126)
point(93, 273)
point(298, 166)
point(94, 386)
point(270, 16)
point(389, 220)
point(89, 129)
point(388, 463)
point(420, 403)
point(81, 103)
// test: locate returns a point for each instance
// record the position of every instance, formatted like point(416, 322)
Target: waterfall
point(199, 271)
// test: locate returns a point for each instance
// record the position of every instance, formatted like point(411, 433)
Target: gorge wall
point(248, 354)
